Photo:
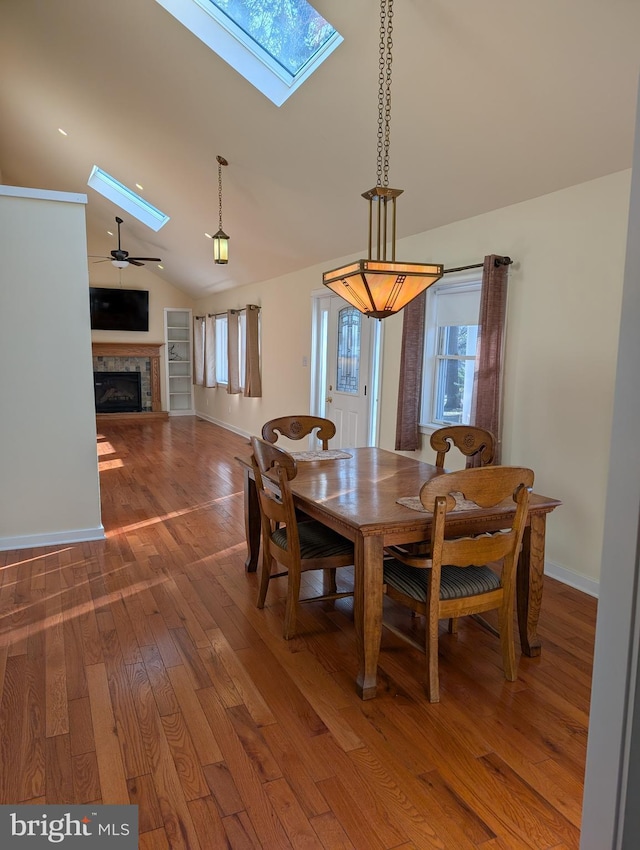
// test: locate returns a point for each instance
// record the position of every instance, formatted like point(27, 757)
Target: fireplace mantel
point(152, 350)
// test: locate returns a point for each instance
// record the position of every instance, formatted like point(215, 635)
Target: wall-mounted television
point(118, 309)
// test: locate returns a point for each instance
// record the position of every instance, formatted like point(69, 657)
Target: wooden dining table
point(358, 497)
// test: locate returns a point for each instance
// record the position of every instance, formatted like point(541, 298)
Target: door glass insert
point(349, 336)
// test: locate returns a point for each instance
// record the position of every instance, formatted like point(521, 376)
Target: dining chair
point(298, 427)
point(456, 579)
point(295, 546)
point(476, 444)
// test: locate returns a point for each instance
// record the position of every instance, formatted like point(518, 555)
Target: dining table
point(355, 491)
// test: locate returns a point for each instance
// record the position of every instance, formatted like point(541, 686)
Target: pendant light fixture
point(377, 286)
point(220, 240)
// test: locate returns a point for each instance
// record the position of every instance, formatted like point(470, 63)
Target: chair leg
point(293, 594)
point(453, 625)
point(432, 681)
point(265, 574)
point(505, 619)
point(329, 584)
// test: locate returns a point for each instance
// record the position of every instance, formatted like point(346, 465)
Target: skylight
point(126, 199)
point(275, 44)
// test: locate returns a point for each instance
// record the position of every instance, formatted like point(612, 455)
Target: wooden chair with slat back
point(476, 444)
point(455, 580)
point(298, 427)
point(297, 547)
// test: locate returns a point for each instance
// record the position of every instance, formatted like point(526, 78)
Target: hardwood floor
point(139, 670)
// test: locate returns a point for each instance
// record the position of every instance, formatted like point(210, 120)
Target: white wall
point(49, 490)
point(563, 315)
point(611, 817)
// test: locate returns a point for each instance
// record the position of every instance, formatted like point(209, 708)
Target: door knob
point(328, 399)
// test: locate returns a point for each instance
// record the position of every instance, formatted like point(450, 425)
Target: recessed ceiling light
point(138, 186)
point(159, 266)
point(62, 132)
point(208, 235)
point(110, 232)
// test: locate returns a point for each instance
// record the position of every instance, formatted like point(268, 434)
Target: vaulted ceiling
point(493, 103)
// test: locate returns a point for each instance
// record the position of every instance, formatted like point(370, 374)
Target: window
point(222, 358)
point(275, 44)
point(126, 199)
point(222, 347)
point(451, 333)
point(348, 359)
point(242, 346)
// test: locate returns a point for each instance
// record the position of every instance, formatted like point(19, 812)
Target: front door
point(346, 393)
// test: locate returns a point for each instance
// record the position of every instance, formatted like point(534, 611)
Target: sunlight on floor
point(124, 529)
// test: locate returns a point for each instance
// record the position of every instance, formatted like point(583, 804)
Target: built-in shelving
point(179, 359)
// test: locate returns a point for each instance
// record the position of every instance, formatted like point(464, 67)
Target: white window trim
point(125, 198)
point(229, 42)
point(462, 282)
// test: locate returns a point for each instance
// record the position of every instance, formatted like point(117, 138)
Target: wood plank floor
point(138, 670)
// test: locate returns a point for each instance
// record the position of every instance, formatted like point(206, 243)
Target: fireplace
point(117, 392)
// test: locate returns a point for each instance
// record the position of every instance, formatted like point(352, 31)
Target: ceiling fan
point(121, 259)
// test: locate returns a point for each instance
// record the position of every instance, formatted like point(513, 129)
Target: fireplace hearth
point(117, 392)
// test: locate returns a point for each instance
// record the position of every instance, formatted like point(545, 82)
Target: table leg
point(530, 577)
point(368, 611)
point(251, 522)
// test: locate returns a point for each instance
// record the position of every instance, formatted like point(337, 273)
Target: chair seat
point(455, 582)
point(316, 540)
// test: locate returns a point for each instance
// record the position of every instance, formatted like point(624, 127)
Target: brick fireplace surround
point(150, 351)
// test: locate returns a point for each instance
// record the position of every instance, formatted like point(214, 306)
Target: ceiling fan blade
point(146, 259)
point(134, 262)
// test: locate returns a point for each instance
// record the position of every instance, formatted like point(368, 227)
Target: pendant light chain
point(379, 287)
point(219, 194)
point(384, 92)
point(220, 240)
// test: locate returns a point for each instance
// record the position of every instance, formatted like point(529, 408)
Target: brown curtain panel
point(486, 407)
point(411, 358)
point(233, 359)
point(198, 350)
point(252, 378)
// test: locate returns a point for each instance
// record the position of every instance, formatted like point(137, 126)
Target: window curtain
point(233, 358)
point(411, 359)
point(486, 406)
point(198, 350)
point(252, 378)
point(210, 352)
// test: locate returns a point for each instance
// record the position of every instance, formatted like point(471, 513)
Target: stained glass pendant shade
point(377, 286)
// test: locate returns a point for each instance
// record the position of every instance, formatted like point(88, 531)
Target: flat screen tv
point(119, 309)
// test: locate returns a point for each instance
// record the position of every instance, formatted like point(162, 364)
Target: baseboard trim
point(54, 538)
point(586, 585)
point(224, 425)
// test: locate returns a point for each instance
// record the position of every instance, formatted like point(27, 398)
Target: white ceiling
point(494, 102)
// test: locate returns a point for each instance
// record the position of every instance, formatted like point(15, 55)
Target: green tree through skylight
point(290, 31)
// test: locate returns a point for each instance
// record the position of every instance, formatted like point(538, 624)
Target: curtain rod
point(224, 312)
point(499, 261)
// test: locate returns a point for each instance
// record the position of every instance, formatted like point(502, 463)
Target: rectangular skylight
point(127, 200)
point(276, 45)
